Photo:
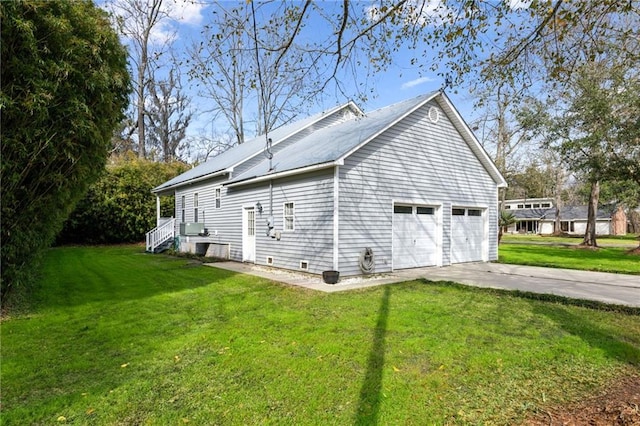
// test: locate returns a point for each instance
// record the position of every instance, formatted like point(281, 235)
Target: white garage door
point(467, 235)
point(414, 236)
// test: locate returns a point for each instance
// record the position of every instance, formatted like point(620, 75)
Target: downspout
point(336, 216)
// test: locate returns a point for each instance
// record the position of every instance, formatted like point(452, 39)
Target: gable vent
point(434, 114)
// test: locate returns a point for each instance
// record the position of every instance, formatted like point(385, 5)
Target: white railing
point(161, 234)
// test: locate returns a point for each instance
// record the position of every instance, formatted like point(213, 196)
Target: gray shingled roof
point(566, 213)
point(322, 147)
point(242, 152)
point(332, 143)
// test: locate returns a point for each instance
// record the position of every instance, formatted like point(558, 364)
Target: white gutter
point(191, 181)
point(286, 173)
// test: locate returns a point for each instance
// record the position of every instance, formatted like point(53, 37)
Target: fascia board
point(191, 181)
point(282, 174)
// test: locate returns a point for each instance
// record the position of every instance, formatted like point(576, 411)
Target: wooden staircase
point(161, 237)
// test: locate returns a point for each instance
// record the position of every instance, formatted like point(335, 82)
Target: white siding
point(312, 238)
point(416, 161)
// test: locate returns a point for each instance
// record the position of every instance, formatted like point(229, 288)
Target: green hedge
point(65, 86)
point(119, 207)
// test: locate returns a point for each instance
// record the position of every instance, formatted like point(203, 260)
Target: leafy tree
point(121, 196)
point(593, 125)
point(505, 220)
point(64, 87)
point(512, 41)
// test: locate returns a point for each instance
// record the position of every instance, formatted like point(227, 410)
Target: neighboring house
point(404, 186)
point(538, 215)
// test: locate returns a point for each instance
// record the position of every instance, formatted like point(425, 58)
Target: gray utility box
point(191, 228)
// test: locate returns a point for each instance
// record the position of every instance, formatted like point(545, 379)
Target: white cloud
point(173, 12)
point(416, 82)
point(519, 4)
point(185, 11)
point(419, 12)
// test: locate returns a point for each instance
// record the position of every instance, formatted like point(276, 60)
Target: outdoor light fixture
point(259, 207)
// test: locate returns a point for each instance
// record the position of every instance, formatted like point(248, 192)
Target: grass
point(115, 336)
point(609, 259)
point(629, 240)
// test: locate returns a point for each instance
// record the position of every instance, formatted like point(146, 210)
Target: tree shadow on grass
point(75, 276)
point(623, 347)
point(371, 390)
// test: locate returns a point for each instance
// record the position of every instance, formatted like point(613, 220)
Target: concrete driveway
point(618, 289)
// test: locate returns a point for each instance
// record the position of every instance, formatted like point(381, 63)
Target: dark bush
point(119, 207)
point(64, 88)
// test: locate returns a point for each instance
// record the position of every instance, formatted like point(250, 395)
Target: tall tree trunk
point(141, 86)
point(590, 234)
point(557, 226)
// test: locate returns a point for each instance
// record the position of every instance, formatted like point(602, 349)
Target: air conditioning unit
point(191, 228)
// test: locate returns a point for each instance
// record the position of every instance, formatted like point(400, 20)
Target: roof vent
point(434, 114)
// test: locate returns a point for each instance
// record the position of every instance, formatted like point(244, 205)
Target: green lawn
point(629, 240)
point(116, 336)
point(610, 259)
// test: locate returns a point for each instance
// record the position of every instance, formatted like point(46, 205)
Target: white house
point(404, 186)
point(537, 216)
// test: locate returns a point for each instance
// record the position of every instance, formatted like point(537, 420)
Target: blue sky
point(399, 81)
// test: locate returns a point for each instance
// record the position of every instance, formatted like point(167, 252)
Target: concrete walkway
point(618, 289)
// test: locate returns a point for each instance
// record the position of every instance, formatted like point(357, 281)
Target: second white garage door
point(414, 236)
point(467, 235)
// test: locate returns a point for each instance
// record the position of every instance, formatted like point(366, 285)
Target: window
point(536, 206)
point(566, 226)
point(527, 206)
point(474, 212)
point(403, 209)
point(507, 207)
point(527, 226)
point(195, 207)
point(521, 206)
point(425, 210)
point(251, 222)
point(546, 205)
point(289, 216)
point(218, 197)
point(182, 208)
point(457, 212)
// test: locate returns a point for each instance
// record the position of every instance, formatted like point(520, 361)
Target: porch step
point(164, 246)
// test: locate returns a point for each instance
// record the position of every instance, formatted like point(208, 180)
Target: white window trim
point(217, 202)
point(182, 208)
point(284, 217)
point(195, 207)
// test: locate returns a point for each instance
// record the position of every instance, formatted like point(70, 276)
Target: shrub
point(65, 86)
point(119, 207)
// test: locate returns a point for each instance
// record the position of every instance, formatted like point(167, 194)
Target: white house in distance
point(537, 216)
point(405, 186)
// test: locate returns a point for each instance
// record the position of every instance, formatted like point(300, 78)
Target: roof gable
point(566, 213)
